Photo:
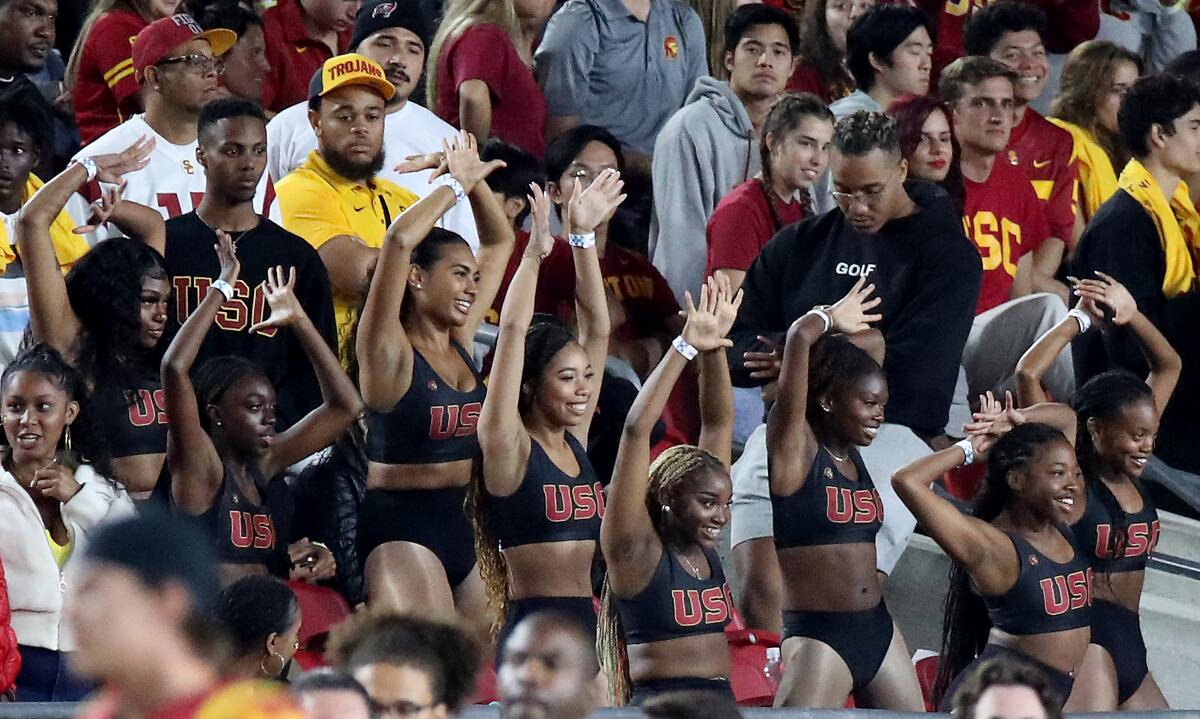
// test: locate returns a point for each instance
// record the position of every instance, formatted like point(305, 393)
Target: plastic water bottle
point(773, 669)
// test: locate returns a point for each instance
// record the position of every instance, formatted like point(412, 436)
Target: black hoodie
point(924, 269)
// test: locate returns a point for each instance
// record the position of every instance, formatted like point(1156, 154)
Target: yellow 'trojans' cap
point(349, 69)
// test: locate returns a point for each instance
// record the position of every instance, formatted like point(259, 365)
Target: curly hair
point(785, 116)
point(87, 441)
point(910, 113)
point(105, 289)
point(670, 472)
point(965, 623)
point(858, 134)
point(1100, 401)
point(818, 51)
point(1003, 672)
point(493, 568)
point(444, 651)
point(1086, 77)
point(214, 378)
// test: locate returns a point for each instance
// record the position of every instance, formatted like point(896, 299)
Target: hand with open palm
point(285, 306)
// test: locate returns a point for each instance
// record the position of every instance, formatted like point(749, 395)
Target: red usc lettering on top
point(566, 503)
point(146, 407)
point(446, 421)
point(247, 308)
point(857, 506)
point(248, 529)
point(708, 606)
point(1140, 539)
point(1061, 594)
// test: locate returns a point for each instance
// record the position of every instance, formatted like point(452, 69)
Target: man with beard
point(232, 137)
point(548, 670)
point(395, 34)
point(334, 198)
point(175, 62)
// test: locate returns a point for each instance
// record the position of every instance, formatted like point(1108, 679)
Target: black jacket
point(924, 268)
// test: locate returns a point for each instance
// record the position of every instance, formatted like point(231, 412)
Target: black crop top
point(134, 421)
point(247, 533)
point(550, 505)
point(675, 604)
point(1048, 596)
point(433, 423)
point(1094, 531)
point(829, 507)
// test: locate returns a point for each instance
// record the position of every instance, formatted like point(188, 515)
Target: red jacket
point(10, 657)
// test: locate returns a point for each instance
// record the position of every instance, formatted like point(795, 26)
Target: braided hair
point(216, 376)
point(965, 623)
point(1102, 399)
point(673, 470)
point(836, 365)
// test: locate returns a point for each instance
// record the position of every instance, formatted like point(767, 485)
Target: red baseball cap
point(156, 39)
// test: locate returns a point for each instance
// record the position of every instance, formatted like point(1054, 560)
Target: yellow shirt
point(61, 552)
point(318, 204)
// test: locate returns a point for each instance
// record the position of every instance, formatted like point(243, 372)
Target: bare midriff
point(830, 578)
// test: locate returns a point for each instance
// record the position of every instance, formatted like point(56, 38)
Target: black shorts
point(861, 638)
point(432, 518)
point(581, 609)
point(1060, 682)
point(645, 690)
point(1118, 631)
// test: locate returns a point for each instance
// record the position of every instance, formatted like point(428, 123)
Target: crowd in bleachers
point(370, 358)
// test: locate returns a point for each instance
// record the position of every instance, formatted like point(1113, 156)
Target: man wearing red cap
point(175, 63)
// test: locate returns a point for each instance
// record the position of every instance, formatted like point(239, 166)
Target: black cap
point(379, 14)
point(160, 547)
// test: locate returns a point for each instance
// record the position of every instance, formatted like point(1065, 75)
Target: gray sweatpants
point(1002, 334)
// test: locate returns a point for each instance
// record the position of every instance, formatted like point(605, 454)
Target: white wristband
point(824, 317)
point(682, 347)
point(224, 288)
point(454, 185)
point(89, 166)
point(1083, 318)
point(968, 450)
point(584, 241)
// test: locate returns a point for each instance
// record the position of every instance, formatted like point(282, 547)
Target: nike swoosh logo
point(1040, 165)
point(360, 209)
point(301, 48)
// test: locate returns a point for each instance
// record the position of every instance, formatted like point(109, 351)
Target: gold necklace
point(840, 459)
point(692, 568)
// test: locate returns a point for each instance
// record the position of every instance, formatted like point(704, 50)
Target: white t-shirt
point(411, 130)
point(173, 181)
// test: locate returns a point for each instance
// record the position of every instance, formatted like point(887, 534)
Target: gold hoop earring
point(262, 665)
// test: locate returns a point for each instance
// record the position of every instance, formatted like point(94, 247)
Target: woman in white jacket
point(49, 504)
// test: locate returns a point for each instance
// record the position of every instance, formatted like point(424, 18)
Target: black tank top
point(550, 505)
point(134, 421)
point(248, 533)
point(829, 508)
point(675, 604)
point(1093, 532)
point(433, 423)
point(1048, 596)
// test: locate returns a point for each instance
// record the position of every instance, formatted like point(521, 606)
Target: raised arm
point(341, 406)
point(1038, 359)
point(502, 436)
point(51, 318)
point(586, 209)
point(791, 445)
point(1164, 361)
point(716, 389)
point(983, 550)
point(627, 535)
point(191, 455)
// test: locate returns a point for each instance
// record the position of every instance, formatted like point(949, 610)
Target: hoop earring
point(262, 665)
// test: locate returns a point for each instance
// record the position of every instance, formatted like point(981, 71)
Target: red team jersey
point(1004, 218)
point(106, 91)
point(294, 56)
point(742, 224)
point(1043, 151)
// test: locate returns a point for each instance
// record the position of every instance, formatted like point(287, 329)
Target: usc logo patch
point(671, 47)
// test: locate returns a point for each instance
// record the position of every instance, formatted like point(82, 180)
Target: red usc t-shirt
point(294, 56)
point(1004, 218)
point(742, 224)
point(1043, 151)
point(106, 91)
point(485, 52)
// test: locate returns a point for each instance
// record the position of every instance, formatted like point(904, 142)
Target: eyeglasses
point(197, 63)
point(868, 198)
point(402, 708)
point(585, 177)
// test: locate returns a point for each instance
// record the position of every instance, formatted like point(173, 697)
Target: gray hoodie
point(702, 152)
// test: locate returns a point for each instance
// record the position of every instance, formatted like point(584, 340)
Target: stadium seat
point(321, 609)
point(485, 683)
point(926, 664)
